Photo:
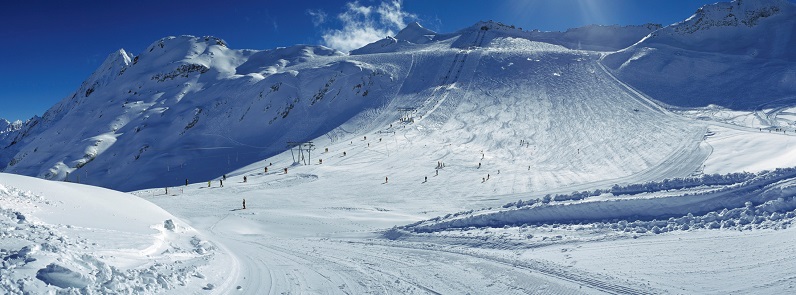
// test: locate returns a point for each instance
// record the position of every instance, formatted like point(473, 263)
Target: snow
point(598, 38)
point(729, 54)
point(491, 160)
point(415, 33)
point(741, 151)
point(58, 236)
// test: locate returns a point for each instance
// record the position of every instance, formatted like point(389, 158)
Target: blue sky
point(50, 47)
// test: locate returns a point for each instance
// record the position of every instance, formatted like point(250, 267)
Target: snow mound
point(60, 237)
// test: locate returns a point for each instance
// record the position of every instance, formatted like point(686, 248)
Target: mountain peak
point(731, 14)
point(415, 33)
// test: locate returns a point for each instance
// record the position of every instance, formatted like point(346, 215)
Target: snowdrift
point(62, 237)
point(753, 200)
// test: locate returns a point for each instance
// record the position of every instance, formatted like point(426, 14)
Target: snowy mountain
point(737, 55)
point(7, 127)
point(594, 37)
point(490, 160)
point(598, 38)
point(189, 107)
point(193, 105)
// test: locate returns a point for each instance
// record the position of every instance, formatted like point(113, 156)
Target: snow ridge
point(769, 195)
point(735, 13)
point(701, 61)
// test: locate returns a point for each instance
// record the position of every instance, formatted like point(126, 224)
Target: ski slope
point(482, 161)
point(318, 226)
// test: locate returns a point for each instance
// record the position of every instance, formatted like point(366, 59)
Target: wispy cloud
point(318, 16)
point(364, 24)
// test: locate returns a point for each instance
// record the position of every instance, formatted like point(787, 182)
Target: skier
point(224, 177)
point(244, 178)
point(208, 183)
point(285, 170)
point(186, 182)
point(327, 150)
point(266, 169)
point(425, 179)
point(487, 177)
point(385, 179)
point(479, 165)
point(436, 173)
point(320, 161)
point(221, 182)
point(344, 154)
point(244, 203)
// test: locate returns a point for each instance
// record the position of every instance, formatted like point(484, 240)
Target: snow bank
point(61, 237)
point(771, 191)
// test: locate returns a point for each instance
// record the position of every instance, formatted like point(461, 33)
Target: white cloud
point(318, 16)
point(365, 24)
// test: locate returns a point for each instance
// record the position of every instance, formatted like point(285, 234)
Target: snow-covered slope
point(8, 128)
point(482, 161)
point(599, 38)
point(8, 131)
point(737, 55)
point(189, 107)
point(58, 236)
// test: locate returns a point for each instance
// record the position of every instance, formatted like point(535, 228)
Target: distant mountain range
point(189, 108)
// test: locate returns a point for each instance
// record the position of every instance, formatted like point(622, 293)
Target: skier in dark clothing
point(244, 203)
point(244, 178)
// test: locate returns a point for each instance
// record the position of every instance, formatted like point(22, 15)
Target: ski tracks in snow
point(293, 266)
